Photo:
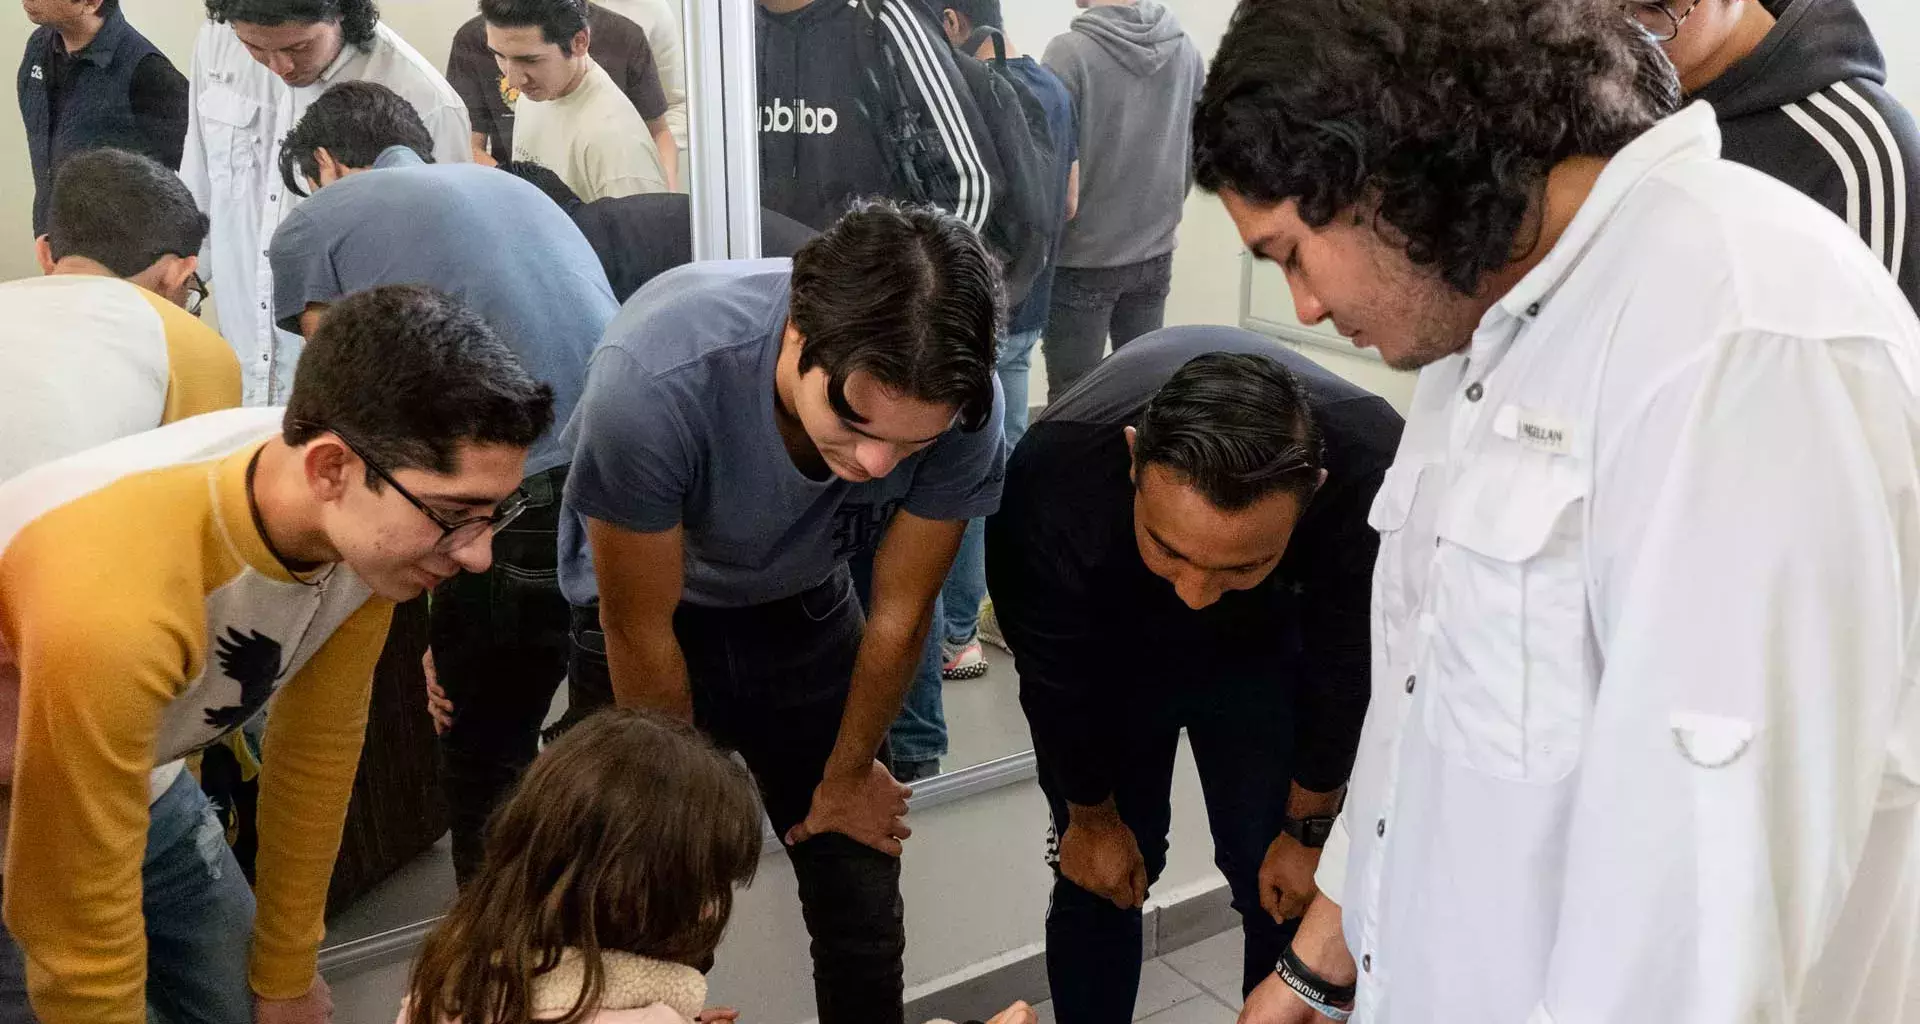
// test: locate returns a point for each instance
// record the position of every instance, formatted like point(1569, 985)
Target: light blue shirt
point(481, 235)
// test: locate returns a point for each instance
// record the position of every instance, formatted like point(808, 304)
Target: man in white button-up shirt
point(256, 66)
point(1644, 740)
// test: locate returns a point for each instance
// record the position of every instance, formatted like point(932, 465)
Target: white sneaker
point(966, 661)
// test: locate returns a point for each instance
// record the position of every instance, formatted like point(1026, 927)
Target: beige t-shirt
point(593, 138)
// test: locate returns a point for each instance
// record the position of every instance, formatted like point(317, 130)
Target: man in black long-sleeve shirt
point(1183, 543)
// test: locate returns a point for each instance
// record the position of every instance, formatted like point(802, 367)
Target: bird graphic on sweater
point(253, 661)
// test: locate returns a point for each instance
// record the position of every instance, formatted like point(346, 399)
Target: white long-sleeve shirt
point(238, 114)
point(1644, 742)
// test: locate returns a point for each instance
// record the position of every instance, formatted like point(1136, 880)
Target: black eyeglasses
point(196, 293)
point(1658, 18)
point(453, 536)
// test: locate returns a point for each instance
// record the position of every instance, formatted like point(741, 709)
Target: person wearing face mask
point(748, 428)
point(157, 592)
point(1799, 88)
point(100, 347)
point(604, 138)
point(1183, 543)
point(382, 215)
point(257, 65)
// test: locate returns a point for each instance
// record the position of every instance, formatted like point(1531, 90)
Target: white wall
point(1896, 23)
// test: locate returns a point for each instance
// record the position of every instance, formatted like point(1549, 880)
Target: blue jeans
point(919, 735)
point(966, 585)
point(199, 916)
point(918, 738)
point(1091, 304)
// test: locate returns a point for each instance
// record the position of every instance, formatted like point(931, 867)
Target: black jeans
point(1241, 731)
point(1089, 304)
point(500, 650)
point(770, 681)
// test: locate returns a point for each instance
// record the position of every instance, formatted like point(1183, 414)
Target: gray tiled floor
point(1196, 985)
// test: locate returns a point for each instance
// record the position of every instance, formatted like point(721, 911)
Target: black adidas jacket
point(825, 90)
point(1810, 107)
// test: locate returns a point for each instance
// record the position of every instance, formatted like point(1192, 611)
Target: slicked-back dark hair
point(122, 210)
point(1234, 426)
point(983, 13)
point(410, 375)
point(908, 295)
point(1441, 116)
point(558, 20)
point(357, 18)
point(355, 122)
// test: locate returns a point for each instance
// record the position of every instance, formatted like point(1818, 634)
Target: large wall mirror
point(395, 873)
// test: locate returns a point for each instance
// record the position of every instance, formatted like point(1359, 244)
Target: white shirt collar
point(1692, 134)
point(348, 52)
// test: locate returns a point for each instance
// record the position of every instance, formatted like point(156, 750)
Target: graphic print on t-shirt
point(857, 525)
point(251, 659)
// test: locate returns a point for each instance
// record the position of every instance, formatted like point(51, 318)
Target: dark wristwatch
point(1310, 832)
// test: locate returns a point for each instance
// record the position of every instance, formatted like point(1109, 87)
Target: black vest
point(96, 108)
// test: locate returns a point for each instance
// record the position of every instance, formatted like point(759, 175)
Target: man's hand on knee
point(1099, 853)
point(316, 1007)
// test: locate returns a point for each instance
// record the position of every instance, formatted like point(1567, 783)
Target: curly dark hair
point(357, 18)
point(1442, 118)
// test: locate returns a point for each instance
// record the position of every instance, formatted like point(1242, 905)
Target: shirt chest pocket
point(1505, 644)
point(229, 124)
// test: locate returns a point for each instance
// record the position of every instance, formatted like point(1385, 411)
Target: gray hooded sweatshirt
point(1134, 76)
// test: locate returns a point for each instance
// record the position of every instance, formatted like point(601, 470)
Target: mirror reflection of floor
point(984, 722)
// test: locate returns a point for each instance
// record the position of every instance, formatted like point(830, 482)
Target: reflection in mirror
point(953, 114)
point(592, 119)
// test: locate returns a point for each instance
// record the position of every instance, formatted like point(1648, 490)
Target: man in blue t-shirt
point(386, 216)
point(748, 427)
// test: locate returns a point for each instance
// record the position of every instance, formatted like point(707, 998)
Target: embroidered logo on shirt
point(508, 92)
point(253, 661)
point(1540, 431)
point(36, 74)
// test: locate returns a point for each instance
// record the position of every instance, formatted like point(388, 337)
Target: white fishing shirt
point(1644, 744)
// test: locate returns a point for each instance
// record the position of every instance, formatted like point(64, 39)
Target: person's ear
point(582, 43)
point(1132, 437)
point(43, 248)
point(171, 273)
point(329, 169)
point(328, 463)
point(950, 24)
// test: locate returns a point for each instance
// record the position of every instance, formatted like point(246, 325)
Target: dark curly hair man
point(1637, 693)
point(1442, 131)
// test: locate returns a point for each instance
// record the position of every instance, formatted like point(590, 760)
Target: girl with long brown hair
point(607, 883)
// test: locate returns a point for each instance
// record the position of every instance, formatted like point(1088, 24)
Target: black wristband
point(1303, 980)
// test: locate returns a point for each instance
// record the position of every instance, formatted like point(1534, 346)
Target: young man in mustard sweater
point(156, 592)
